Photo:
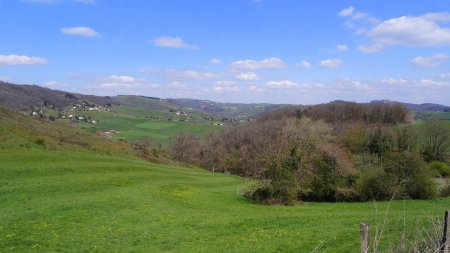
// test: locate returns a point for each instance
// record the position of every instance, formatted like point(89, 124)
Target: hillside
point(27, 98)
point(18, 131)
point(228, 110)
point(64, 190)
point(417, 107)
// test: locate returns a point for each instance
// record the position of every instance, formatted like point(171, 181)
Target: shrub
point(270, 193)
point(411, 175)
point(440, 168)
point(40, 142)
point(379, 142)
point(445, 192)
point(421, 187)
point(436, 141)
point(325, 180)
point(375, 184)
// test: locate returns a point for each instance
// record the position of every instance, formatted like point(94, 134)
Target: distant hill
point(417, 107)
point(26, 98)
point(231, 110)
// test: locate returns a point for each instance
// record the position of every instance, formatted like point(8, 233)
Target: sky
point(249, 51)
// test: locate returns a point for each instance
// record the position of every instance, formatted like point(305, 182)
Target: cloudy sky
point(276, 51)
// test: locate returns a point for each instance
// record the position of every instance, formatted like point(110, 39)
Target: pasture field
point(133, 124)
point(429, 115)
point(79, 201)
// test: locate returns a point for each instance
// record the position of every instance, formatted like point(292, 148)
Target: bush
point(445, 192)
point(440, 168)
point(411, 175)
point(40, 142)
point(270, 193)
point(436, 141)
point(325, 180)
point(421, 187)
point(375, 184)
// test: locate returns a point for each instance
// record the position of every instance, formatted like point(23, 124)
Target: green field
point(65, 190)
point(84, 202)
point(429, 115)
point(133, 124)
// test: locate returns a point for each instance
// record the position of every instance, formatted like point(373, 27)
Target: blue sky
point(276, 51)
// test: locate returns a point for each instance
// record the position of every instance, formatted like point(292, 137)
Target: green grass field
point(65, 190)
point(429, 115)
point(137, 124)
point(85, 202)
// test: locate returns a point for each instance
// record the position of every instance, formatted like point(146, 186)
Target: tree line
point(330, 152)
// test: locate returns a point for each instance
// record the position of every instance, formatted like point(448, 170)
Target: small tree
point(184, 148)
point(379, 142)
point(411, 174)
point(437, 141)
point(406, 138)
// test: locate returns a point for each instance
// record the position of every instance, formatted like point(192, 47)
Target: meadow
point(430, 115)
point(132, 124)
point(66, 190)
point(59, 201)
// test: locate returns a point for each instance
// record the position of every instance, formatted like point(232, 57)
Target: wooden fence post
point(364, 231)
point(445, 243)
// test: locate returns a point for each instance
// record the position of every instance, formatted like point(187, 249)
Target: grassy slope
point(136, 123)
point(68, 198)
point(87, 202)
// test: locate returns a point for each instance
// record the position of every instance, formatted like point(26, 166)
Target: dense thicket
point(330, 152)
point(340, 112)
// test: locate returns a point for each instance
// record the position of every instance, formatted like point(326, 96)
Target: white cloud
point(226, 86)
point(123, 79)
point(177, 85)
point(359, 85)
point(433, 61)
point(269, 63)
point(425, 30)
point(255, 88)
point(172, 42)
point(282, 84)
point(346, 12)
point(53, 84)
point(250, 76)
point(331, 63)
point(118, 85)
point(342, 47)
point(120, 82)
point(4, 78)
point(428, 83)
point(368, 49)
point(394, 82)
point(79, 30)
point(21, 60)
point(189, 74)
point(216, 61)
point(413, 31)
point(304, 65)
point(445, 76)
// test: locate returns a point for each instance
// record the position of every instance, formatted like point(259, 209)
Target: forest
point(340, 151)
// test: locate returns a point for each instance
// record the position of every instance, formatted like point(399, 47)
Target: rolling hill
point(27, 98)
point(417, 107)
point(65, 190)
